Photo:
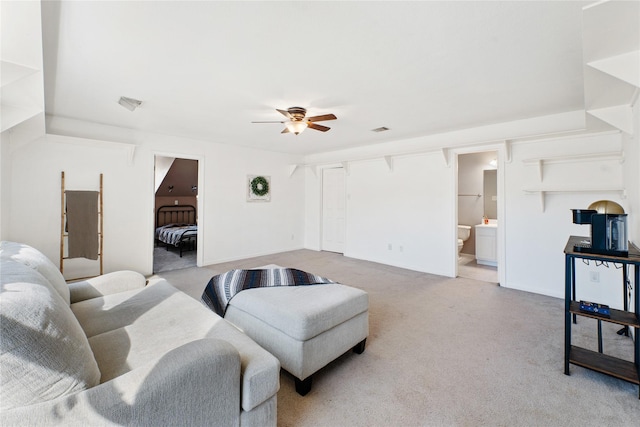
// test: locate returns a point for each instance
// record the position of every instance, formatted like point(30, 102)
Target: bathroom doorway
point(477, 211)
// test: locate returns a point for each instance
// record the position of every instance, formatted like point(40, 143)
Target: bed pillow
point(44, 353)
point(35, 259)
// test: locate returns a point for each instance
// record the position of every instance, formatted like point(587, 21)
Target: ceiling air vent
point(380, 129)
point(129, 103)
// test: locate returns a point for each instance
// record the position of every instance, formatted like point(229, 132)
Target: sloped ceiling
point(179, 180)
point(206, 69)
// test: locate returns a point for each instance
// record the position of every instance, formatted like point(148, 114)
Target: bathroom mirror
point(490, 190)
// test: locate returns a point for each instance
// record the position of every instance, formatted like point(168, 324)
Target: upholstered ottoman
point(305, 327)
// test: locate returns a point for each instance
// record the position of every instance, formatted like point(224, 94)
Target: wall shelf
point(619, 116)
point(12, 116)
point(611, 55)
point(12, 72)
point(591, 157)
point(625, 67)
point(542, 192)
point(18, 86)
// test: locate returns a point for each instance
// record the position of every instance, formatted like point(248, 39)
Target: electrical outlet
point(594, 276)
point(389, 246)
point(401, 248)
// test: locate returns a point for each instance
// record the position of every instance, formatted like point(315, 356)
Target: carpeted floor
point(167, 260)
point(469, 268)
point(447, 352)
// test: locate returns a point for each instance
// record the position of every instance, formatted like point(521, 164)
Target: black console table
point(598, 361)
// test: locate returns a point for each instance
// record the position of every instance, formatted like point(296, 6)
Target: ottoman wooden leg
point(303, 386)
point(359, 348)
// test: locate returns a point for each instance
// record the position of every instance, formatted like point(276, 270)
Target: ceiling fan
point(298, 122)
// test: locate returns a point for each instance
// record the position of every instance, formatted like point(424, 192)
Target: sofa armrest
point(110, 283)
point(196, 384)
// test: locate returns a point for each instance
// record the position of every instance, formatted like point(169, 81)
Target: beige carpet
point(469, 268)
point(447, 352)
point(167, 260)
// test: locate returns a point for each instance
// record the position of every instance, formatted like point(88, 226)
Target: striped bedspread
point(172, 234)
point(223, 287)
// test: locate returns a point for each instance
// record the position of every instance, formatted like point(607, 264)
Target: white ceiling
point(206, 69)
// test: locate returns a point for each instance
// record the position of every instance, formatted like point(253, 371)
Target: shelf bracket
point(507, 151)
point(131, 151)
point(541, 194)
point(445, 154)
point(292, 169)
point(345, 165)
point(313, 169)
point(389, 161)
point(540, 168)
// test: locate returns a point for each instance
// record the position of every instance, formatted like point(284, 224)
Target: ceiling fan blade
point(272, 121)
point(321, 118)
point(285, 130)
point(285, 113)
point(315, 126)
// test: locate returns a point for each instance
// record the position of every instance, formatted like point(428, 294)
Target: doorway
point(176, 213)
point(333, 210)
point(477, 216)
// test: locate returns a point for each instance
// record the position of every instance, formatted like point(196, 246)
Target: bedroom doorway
point(175, 213)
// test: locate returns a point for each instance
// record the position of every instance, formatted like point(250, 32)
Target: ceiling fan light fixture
point(296, 127)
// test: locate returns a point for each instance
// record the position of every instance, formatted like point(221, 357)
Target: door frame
point(502, 159)
point(199, 207)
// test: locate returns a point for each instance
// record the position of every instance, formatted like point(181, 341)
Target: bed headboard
point(168, 214)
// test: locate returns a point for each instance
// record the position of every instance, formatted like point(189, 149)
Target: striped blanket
point(223, 287)
point(173, 234)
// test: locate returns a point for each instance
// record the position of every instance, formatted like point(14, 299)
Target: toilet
point(464, 231)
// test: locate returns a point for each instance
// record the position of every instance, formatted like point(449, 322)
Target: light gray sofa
point(114, 350)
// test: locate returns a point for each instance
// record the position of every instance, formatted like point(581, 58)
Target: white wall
point(631, 167)
point(411, 206)
point(232, 227)
point(535, 239)
point(21, 56)
point(407, 208)
point(401, 217)
point(631, 146)
point(312, 207)
point(5, 182)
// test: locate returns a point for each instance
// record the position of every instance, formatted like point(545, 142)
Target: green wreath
point(259, 186)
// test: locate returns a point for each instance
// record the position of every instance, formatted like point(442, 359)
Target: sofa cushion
point(106, 284)
point(33, 258)
point(43, 352)
point(133, 328)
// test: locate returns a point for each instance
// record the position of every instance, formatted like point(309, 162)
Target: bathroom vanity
point(487, 244)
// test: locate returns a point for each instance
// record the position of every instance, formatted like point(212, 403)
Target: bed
point(176, 227)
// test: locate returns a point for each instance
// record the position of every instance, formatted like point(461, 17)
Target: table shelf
point(629, 317)
point(620, 317)
point(604, 363)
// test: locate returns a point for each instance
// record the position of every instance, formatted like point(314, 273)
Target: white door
point(333, 210)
